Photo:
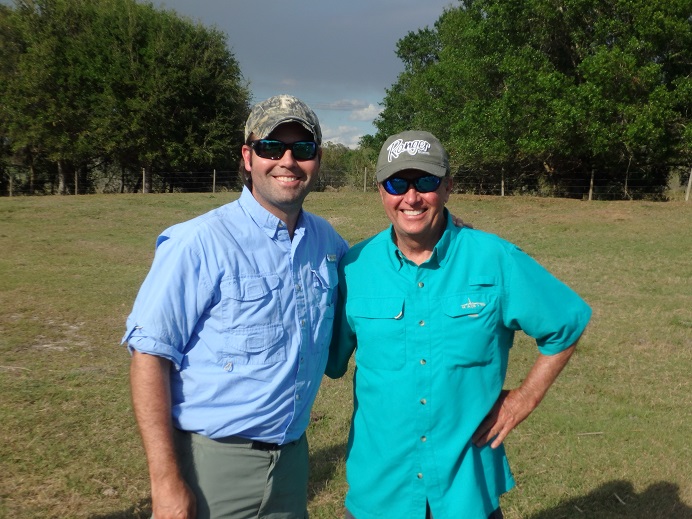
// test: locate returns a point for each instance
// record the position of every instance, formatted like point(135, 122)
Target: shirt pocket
point(325, 279)
point(470, 318)
point(252, 320)
point(380, 331)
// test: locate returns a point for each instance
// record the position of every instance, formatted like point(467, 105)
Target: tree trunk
point(32, 176)
point(146, 181)
point(62, 185)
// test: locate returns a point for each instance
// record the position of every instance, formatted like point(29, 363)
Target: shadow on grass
point(618, 499)
point(323, 466)
point(613, 500)
point(141, 510)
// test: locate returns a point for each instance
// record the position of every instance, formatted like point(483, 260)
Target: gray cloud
point(337, 56)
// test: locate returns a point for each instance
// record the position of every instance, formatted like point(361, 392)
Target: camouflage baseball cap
point(412, 150)
point(267, 115)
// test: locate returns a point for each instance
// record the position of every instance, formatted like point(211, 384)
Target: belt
point(264, 446)
point(255, 445)
point(237, 440)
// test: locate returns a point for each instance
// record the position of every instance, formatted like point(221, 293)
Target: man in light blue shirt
point(230, 331)
point(431, 310)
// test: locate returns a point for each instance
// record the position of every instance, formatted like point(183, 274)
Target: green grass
point(611, 440)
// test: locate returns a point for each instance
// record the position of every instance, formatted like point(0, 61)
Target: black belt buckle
point(264, 446)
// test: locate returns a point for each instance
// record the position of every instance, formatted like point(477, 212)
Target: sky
point(337, 56)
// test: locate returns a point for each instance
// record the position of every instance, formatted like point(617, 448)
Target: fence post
point(213, 184)
point(365, 179)
point(689, 185)
point(593, 170)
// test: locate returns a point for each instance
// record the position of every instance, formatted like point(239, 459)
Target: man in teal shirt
point(431, 310)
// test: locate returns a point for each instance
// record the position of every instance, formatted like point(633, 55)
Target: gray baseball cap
point(267, 115)
point(412, 150)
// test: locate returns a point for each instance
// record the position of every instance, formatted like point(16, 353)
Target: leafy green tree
point(334, 163)
point(98, 83)
point(342, 166)
point(548, 93)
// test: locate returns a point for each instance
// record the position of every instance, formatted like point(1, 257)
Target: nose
point(411, 196)
point(287, 160)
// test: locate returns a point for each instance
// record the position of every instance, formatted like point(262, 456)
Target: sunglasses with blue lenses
point(274, 150)
point(399, 186)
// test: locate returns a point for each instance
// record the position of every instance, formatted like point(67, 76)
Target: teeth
point(412, 213)
point(285, 179)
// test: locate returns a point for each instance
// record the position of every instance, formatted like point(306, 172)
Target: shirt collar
point(266, 221)
point(440, 252)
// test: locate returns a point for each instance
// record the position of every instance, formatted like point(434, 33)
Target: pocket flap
point(251, 289)
point(485, 281)
point(327, 275)
point(376, 308)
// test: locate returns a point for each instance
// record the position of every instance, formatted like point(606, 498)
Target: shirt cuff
point(137, 339)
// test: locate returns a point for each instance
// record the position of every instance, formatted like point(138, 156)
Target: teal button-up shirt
point(431, 350)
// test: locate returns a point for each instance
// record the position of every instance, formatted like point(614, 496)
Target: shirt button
point(423, 362)
point(421, 323)
point(302, 323)
point(298, 287)
point(297, 397)
point(423, 439)
point(421, 284)
point(228, 366)
point(420, 475)
point(423, 401)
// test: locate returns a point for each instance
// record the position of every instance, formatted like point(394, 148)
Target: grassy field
point(611, 440)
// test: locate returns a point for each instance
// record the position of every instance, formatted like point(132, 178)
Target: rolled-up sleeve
point(171, 301)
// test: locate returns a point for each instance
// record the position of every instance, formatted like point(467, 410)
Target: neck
point(416, 255)
point(418, 249)
point(290, 219)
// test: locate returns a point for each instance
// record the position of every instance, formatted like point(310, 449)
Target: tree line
point(543, 94)
point(97, 91)
point(548, 97)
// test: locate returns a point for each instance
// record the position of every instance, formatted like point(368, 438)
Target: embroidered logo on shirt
point(472, 304)
point(331, 258)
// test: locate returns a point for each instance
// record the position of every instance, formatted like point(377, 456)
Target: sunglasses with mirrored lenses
point(274, 150)
point(399, 186)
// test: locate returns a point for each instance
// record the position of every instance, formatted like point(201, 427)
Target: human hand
point(510, 409)
point(173, 499)
point(460, 223)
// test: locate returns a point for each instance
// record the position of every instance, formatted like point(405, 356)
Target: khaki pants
point(234, 478)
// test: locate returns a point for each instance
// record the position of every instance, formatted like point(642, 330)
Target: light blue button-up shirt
point(431, 345)
point(245, 314)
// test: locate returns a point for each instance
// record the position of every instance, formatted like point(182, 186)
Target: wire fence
point(16, 183)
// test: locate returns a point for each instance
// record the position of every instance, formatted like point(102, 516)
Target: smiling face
point(417, 218)
point(281, 185)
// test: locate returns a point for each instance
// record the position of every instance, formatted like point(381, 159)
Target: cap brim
point(426, 167)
